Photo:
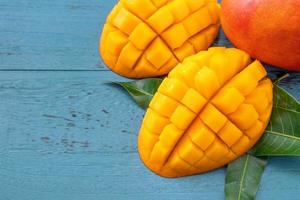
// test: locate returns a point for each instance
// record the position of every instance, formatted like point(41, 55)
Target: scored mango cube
point(228, 100)
point(182, 27)
point(189, 100)
point(205, 77)
point(141, 36)
point(163, 104)
point(205, 114)
point(189, 152)
point(170, 135)
point(182, 117)
point(201, 135)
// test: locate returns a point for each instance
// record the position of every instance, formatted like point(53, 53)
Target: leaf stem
point(276, 82)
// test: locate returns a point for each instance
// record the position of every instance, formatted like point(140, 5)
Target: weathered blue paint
point(68, 135)
point(51, 34)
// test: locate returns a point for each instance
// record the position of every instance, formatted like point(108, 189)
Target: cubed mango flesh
point(212, 108)
point(147, 38)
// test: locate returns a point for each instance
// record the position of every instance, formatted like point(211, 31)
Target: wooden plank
point(51, 34)
point(55, 34)
point(67, 135)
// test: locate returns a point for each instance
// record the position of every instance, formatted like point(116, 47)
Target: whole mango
point(268, 30)
point(210, 110)
point(147, 38)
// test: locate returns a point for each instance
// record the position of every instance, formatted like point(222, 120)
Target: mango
point(211, 109)
point(267, 29)
point(147, 38)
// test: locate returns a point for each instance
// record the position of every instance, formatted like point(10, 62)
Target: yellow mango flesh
point(147, 38)
point(211, 109)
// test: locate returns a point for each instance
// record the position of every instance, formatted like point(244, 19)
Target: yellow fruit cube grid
point(144, 38)
point(205, 120)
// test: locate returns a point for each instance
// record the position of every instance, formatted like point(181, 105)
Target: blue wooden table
point(64, 134)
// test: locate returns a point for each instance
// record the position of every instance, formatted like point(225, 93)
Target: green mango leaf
point(142, 90)
point(243, 177)
point(282, 136)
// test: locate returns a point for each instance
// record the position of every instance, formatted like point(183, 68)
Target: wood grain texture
point(68, 135)
point(51, 34)
point(65, 134)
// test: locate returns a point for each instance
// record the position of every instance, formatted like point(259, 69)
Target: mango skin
point(211, 109)
point(267, 29)
point(147, 38)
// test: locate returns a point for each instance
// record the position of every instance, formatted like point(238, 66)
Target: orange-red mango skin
point(268, 30)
